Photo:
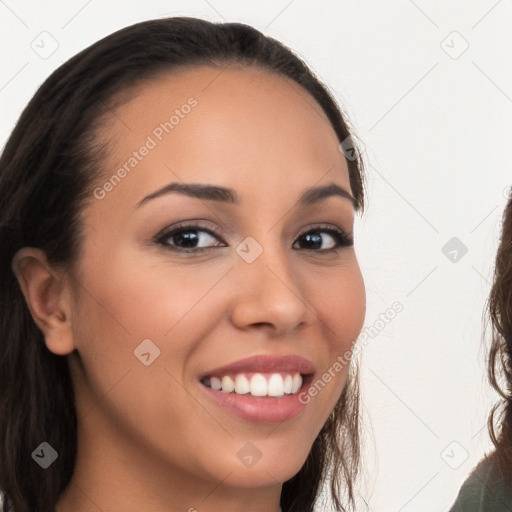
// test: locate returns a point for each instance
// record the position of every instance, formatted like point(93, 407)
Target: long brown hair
point(500, 353)
point(47, 173)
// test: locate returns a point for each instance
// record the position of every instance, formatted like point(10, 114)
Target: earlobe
point(47, 298)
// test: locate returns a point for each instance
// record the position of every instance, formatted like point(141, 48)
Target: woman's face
point(258, 273)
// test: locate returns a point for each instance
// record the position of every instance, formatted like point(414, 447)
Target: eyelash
point(341, 238)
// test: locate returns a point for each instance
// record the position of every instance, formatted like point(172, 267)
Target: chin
point(263, 473)
point(257, 477)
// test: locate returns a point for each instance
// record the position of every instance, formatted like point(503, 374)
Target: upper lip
point(265, 363)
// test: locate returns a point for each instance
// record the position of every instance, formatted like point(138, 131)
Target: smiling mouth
point(258, 384)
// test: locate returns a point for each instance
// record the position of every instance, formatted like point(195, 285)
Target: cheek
point(149, 300)
point(339, 300)
point(125, 301)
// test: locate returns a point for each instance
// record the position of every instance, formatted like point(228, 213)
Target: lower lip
point(258, 409)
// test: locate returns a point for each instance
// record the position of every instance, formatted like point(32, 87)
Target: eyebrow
point(310, 196)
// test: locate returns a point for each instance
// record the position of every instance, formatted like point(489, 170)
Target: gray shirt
point(481, 493)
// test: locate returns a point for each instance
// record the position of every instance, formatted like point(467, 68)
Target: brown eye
point(190, 238)
point(333, 237)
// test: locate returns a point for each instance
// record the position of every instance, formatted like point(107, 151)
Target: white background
point(436, 129)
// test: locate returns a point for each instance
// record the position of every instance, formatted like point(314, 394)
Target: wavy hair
point(47, 173)
point(500, 353)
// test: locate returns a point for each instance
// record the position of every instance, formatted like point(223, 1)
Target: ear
point(47, 296)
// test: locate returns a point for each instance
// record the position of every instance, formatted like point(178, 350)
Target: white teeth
point(275, 385)
point(296, 383)
point(258, 385)
point(242, 384)
point(287, 384)
point(215, 383)
point(227, 384)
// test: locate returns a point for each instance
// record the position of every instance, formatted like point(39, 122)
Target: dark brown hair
point(500, 353)
point(47, 173)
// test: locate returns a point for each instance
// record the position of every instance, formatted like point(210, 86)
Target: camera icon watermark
point(249, 455)
point(454, 455)
point(348, 148)
point(249, 249)
point(146, 352)
point(454, 249)
point(45, 455)
point(45, 45)
point(454, 45)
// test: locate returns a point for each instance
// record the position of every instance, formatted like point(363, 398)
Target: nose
point(269, 293)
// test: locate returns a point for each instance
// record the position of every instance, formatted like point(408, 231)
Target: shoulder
point(481, 493)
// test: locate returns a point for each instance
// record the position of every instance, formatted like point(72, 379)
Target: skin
point(149, 438)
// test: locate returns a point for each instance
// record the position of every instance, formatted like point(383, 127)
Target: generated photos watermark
point(343, 360)
point(157, 135)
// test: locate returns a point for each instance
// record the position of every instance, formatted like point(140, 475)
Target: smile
point(256, 384)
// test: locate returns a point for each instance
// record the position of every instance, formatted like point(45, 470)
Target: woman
point(489, 487)
point(180, 280)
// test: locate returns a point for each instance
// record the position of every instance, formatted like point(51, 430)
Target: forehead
point(231, 125)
